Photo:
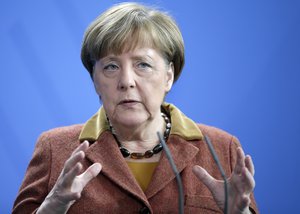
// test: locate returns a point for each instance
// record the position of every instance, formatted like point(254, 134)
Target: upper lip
point(127, 101)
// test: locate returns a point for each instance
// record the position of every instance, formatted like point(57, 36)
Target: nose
point(127, 79)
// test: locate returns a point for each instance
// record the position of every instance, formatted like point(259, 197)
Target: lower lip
point(129, 104)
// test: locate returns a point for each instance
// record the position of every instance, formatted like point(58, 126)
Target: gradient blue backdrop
point(242, 74)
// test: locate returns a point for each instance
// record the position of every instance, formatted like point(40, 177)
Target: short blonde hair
point(125, 26)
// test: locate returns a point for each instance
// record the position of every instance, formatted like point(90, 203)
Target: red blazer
point(115, 189)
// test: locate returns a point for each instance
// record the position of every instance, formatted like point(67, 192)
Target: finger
point(90, 173)
point(243, 203)
point(248, 181)
point(77, 155)
point(72, 161)
point(204, 176)
point(240, 161)
point(244, 183)
point(70, 176)
point(82, 147)
point(249, 164)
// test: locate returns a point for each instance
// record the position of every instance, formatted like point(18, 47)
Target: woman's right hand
point(69, 184)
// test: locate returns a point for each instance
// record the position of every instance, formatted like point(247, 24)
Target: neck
point(142, 137)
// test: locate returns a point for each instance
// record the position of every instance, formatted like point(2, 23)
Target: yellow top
point(142, 172)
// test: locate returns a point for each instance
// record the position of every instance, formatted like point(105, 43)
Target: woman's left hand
point(240, 184)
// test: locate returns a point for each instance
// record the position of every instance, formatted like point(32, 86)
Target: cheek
point(104, 92)
point(154, 93)
point(100, 86)
point(96, 82)
point(97, 88)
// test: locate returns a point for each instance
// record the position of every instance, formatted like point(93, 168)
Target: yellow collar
point(181, 125)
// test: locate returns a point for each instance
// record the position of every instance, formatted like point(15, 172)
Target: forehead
point(147, 53)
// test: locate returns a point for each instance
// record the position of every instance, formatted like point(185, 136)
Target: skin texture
point(132, 87)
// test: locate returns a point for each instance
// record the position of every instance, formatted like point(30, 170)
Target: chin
point(131, 120)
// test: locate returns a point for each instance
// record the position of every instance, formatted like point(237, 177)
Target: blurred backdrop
point(242, 74)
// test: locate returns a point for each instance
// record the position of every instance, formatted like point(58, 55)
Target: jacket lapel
point(182, 152)
point(106, 152)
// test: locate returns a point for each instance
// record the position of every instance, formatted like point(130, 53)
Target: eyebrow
point(135, 57)
point(139, 57)
point(109, 58)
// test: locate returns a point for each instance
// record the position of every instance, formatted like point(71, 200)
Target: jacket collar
point(182, 152)
point(181, 125)
point(94, 127)
point(105, 150)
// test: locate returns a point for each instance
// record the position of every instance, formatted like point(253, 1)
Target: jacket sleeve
point(233, 156)
point(34, 188)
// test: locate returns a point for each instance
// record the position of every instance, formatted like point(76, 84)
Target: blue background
point(242, 74)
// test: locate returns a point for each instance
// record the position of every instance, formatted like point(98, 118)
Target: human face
point(132, 85)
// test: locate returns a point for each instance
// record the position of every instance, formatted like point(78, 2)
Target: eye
point(111, 67)
point(144, 65)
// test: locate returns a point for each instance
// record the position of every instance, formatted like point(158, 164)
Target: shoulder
point(218, 137)
point(56, 145)
point(60, 138)
point(224, 145)
point(61, 133)
point(214, 132)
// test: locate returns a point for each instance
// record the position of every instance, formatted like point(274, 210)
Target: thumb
point(204, 176)
point(90, 173)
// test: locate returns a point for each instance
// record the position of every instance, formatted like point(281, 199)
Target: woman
point(114, 162)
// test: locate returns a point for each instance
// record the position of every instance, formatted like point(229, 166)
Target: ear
point(170, 77)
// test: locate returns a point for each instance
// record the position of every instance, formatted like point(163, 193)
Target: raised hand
point(69, 184)
point(240, 184)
